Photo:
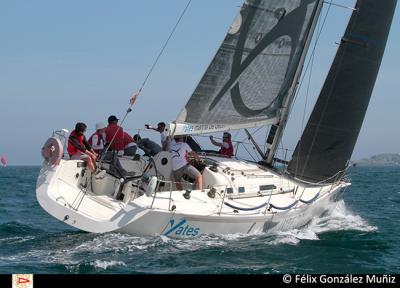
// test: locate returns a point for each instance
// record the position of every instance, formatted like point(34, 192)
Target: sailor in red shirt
point(113, 129)
point(226, 145)
point(129, 145)
point(79, 149)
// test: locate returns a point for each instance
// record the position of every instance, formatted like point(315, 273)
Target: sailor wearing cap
point(98, 139)
point(114, 134)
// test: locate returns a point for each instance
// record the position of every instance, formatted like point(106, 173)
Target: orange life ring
point(52, 151)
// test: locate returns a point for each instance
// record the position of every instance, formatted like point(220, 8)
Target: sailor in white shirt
point(165, 139)
point(180, 153)
point(98, 138)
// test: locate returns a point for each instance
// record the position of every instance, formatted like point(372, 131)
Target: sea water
point(361, 234)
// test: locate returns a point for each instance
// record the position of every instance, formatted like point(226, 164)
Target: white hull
point(180, 225)
point(289, 205)
point(184, 225)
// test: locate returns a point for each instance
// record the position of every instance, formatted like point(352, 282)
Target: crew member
point(98, 138)
point(114, 135)
point(79, 148)
point(226, 145)
point(165, 139)
point(180, 152)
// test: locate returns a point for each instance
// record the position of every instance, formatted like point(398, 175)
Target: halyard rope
point(135, 95)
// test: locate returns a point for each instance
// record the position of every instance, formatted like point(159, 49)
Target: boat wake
point(92, 253)
point(338, 218)
point(341, 218)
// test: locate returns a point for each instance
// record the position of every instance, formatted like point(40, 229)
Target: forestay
point(253, 70)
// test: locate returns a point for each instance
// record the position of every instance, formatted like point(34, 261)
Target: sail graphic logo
point(284, 34)
point(22, 280)
point(191, 128)
point(181, 229)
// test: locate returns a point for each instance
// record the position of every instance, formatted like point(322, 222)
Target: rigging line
point(255, 132)
point(341, 6)
point(317, 131)
point(165, 45)
point(247, 138)
point(310, 60)
point(305, 107)
point(251, 155)
point(283, 150)
point(135, 95)
point(312, 53)
point(297, 92)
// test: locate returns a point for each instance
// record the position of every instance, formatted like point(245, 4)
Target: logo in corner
point(22, 280)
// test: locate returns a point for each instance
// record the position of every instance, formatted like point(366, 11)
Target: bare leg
point(94, 163)
point(178, 185)
point(90, 164)
point(93, 158)
point(199, 182)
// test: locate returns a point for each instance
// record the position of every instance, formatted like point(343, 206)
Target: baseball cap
point(100, 125)
point(112, 118)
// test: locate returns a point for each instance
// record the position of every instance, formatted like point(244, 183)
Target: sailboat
point(251, 82)
point(3, 161)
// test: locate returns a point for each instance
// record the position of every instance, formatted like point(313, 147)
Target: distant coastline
point(387, 159)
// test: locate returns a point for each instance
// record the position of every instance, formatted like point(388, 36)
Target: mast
point(327, 143)
point(276, 131)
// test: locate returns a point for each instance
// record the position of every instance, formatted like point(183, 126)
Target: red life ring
point(52, 151)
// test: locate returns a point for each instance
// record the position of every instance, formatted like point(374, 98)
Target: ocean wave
point(118, 243)
point(10, 229)
point(77, 250)
point(292, 237)
point(338, 218)
point(16, 239)
point(107, 264)
point(341, 218)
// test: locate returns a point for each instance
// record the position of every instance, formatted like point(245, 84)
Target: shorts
point(79, 156)
point(130, 151)
point(188, 170)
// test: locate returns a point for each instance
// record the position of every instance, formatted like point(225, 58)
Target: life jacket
point(118, 143)
point(99, 140)
point(227, 151)
point(72, 150)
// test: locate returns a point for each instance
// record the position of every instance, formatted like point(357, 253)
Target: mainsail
point(253, 70)
point(328, 140)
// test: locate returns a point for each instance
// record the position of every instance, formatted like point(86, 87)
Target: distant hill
point(380, 160)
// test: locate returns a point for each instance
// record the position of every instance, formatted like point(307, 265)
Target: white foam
point(107, 264)
point(71, 255)
point(17, 239)
point(292, 237)
point(338, 218)
point(70, 252)
point(164, 238)
point(201, 242)
point(117, 243)
point(283, 239)
point(341, 219)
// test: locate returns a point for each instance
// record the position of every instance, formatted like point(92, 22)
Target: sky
point(69, 61)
